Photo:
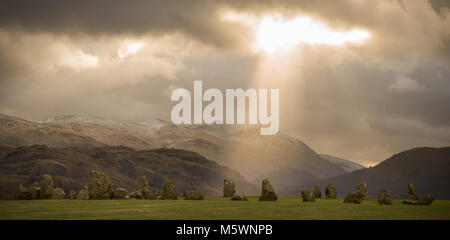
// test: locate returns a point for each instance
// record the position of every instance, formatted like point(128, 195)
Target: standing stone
point(136, 195)
point(58, 193)
point(156, 193)
point(83, 194)
point(239, 198)
point(120, 193)
point(22, 193)
point(35, 190)
point(228, 188)
point(46, 187)
point(411, 194)
point(427, 200)
point(362, 187)
point(267, 192)
point(142, 183)
point(99, 185)
point(384, 197)
point(169, 191)
point(144, 188)
point(317, 191)
point(72, 194)
point(193, 195)
point(308, 196)
point(330, 191)
point(354, 197)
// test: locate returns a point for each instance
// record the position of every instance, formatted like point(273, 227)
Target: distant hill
point(70, 168)
point(347, 165)
point(15, 132)
point(427, 168)
point(239, 147)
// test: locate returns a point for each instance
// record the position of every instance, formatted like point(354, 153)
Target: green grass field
point(218, 208)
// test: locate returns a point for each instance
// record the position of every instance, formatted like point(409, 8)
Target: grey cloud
point(338, 100)
point(105, 17)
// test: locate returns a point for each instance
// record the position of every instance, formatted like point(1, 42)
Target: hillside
point(427, 168)
point(70, 168)
point(239, 147)
point(347, 165)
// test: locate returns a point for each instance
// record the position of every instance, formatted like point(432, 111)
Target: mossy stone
point(46, 187)
point(228, 188)
point(169, 191)
point(120, 193)
point(35, 190)
point(362, 187)
point(308, 196)
point(99, 185)
point(22, 193)
point(58, 193)
point(193, 195)
point(317, 191)
point(239, 198)
point(354, 197)
point(384, 197)
point(267, 192)
point(83, 194)
point(330, 191)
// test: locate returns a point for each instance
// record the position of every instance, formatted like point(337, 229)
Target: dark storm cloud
point(105, 17)
point(360, 102)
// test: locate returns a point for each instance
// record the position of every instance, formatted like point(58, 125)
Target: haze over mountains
point(235, 151)
point(239, 147)
point(427, 168)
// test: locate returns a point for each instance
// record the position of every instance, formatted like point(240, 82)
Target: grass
point(218, 208)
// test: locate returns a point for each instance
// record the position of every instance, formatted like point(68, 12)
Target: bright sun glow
point(129, 48)
point(273, 34)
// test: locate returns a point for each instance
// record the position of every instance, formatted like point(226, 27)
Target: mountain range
point(426, 167)
point(122, 149)
point(70, 168)
point(238, 147)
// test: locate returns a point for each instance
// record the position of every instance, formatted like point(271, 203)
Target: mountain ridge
point(428, 168)
point(70, 168)
point(239, 147)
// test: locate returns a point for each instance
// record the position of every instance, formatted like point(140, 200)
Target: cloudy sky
point(358, 79)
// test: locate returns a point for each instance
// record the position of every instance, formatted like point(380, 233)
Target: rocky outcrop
point(228, 188)
point(317, 191)
point(46, 187)
point(58, 193)
point(239, 198)
point(330, 191)
point(120, 193)
point(362, 188)
point(99, 185)
point(193, 195)
point(267, 192)
point(308, 196)
point(354, 197)
point(384, 197)
point(169, 191)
